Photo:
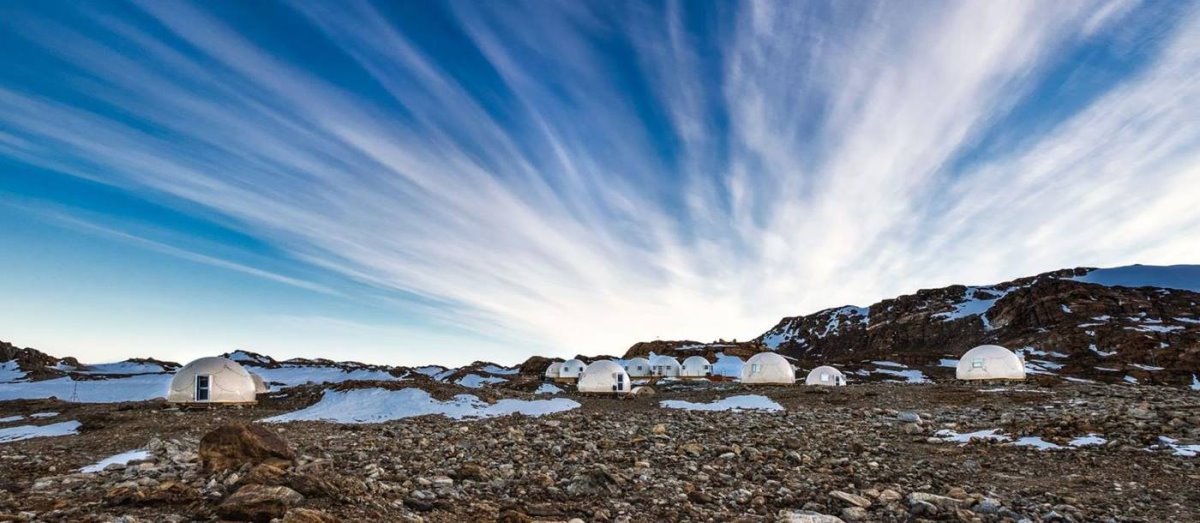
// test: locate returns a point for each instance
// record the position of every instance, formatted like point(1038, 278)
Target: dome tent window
point(202, 387)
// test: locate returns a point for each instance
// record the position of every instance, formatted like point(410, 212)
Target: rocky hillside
point(1072, 322)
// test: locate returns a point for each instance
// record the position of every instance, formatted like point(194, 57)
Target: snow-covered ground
point(245, 357)
point(122, 458)
point(901, 371)
point(496, 369)
point(1178, 449)
point(737, 403)
point(292, 375)
point(547, 388)
point(952, 436)
point(23, 432)
point(121, 367)
point(10, 372)
point(475, 381)
point(380, 405)
point(133, 388)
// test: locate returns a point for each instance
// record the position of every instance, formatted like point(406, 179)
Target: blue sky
point(422, 182)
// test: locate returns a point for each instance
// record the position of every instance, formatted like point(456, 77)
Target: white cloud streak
point(816, 160)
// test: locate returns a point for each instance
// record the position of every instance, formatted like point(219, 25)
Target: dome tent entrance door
point(202, 387)
point(619, 386)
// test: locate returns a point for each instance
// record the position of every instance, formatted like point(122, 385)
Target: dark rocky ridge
point(1047, 313)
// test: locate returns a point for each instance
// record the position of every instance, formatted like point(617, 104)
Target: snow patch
point(245, 357)
point(1177, 449)
point(475, 381)
point(734, 403)
point(964, 438)
point(133, 388)
point(1084, 441)
point(910, 374)
point(1193, 321)
point(1155, 328)
point(122, 458)
point(11, 372)
point(547, 388)
point(24, 432)
point(379, 405)
point(1035, 442)
point(498, 370)
point(1101, 353)
point(1150, 368)
point(1066, 309)
point(122, 367)
point(948, 363)
point(292, 375)
point(1130, 379)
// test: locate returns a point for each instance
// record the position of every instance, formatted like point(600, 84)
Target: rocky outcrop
point(233, 445)
point(35, 364)
point(259, 503)
point(1063, 326)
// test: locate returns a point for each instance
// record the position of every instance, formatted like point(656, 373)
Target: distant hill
point(1137, 323)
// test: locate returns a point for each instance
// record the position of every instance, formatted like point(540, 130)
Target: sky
point(444, 182)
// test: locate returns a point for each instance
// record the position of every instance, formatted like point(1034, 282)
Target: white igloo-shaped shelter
point(826, 376)
point(553, 369)
point(990, 362)
point(604, 376)
point(212, 380)
point(695, 367)
point(665, 366)
point(728, 366)
point(637, 367)
point(768, 367)
point(260, 385)
point(571, 369)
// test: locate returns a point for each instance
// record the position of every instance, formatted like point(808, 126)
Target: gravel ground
point(869, 452)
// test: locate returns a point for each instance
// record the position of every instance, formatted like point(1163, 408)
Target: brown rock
point(259, 503)
point(232, 445)
point(264, 474)
point(308, 515)
point(166, 493)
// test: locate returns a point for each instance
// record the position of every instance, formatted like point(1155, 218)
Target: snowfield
point(292, 375)
point(134, 388)
point(122, 458)
point(735, 403)
point(380, 405)
point(24, 432)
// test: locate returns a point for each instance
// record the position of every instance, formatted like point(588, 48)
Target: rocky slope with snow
point(1072, 322)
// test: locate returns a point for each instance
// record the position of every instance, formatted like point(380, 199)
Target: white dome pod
point(728, 366)
point(260, 385)
point(665, 366)
point(768, 367)
point(826, 376)
point(637, 367)
point(553, 370)
point(604, 376)
point(571, 369)
point(212, 380)
point(696, 367)
point(990, 362)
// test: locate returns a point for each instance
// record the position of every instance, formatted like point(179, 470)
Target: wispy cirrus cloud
point(579, 176)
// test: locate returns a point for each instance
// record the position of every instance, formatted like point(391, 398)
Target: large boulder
point(232, 445)
point(259, 503)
